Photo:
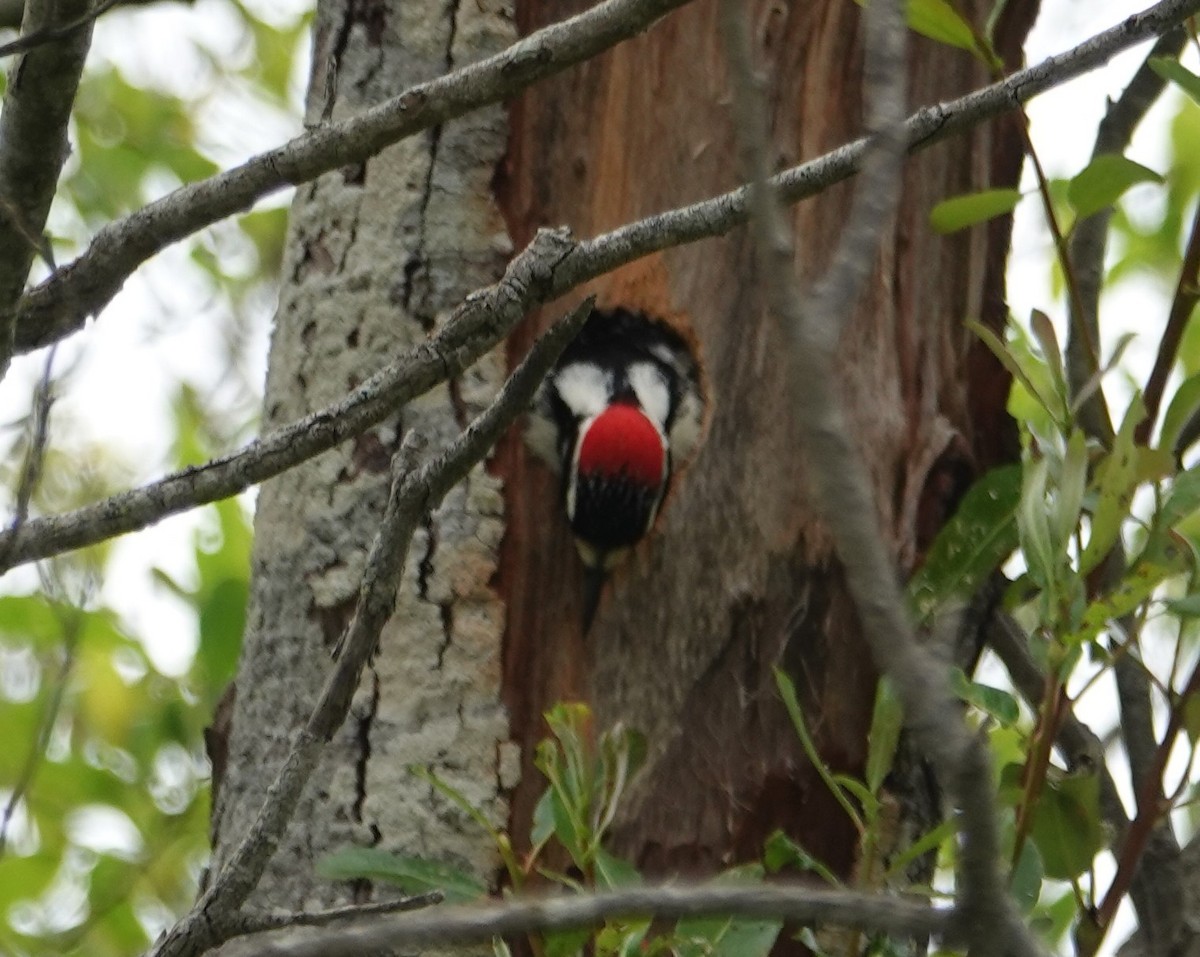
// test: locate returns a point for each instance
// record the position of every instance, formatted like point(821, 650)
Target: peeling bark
point(738, 576)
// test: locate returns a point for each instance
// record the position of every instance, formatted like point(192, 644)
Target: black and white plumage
point(620, 411)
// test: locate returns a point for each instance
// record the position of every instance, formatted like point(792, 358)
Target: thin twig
point(37, 748)
point(1151, 807)
point(1090, 236)
point(49, 34)
point(1079, 745)
point(414, 492)
point(39, 436)
point(61, 304)
point(465, 924)
point(477, 325)
point(1187, 294)
point(247, 924)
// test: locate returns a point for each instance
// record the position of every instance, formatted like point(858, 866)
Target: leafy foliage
point(1103, 534)
point(104, 775)
point(587, 777)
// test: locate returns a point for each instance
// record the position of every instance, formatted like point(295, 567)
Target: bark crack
point(425, 566)
point(416, 268)
point(364, 720)
point(418, 301)
point(447, 610)
point(362, 890)
point(425, 572)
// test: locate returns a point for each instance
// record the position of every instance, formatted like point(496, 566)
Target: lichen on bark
point(377, 256)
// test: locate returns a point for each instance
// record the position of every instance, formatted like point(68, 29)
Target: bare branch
point(39, 437)
point(986, 917)
point(33, 148)
point(11, 11)
point(482, 321)
point(49, 34)
point(414, 493)
point(1090, 236)
point(70, 623)
point(62, 304)
point(470, 924)
point(247, 924)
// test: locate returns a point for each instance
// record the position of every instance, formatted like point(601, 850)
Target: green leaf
point(1103, 180)
point(1067, 825)
point(222, 620)
point(959, 212)
point(787, 691)
point(1182, 501)
point(456, 797)
point(413, 875)
point(1191, 718)
point(724, 936)
point(981, 534)
point(1177, 73)
point(613, 872)
point(566, 943)
point(1182, 407)
point(938, 20)
point(1052, 921)
point(1025, 884)
point(994, 701)
point(623, 939)
point(1033, 525)
point(1136, 586)
point(887, 721)
point(1117, 478)
point(32, 618)
point(866, 798)
point(1186, 607)
point(781, 852)
point(1047, 338)
point(1028, 371)
point(543, 819)
point(622, 752)
point(1072, 482)
point(928, 842)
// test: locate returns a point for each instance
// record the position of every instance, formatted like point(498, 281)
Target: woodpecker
point(621, 409)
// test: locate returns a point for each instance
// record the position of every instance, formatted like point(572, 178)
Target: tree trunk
point(377, 255)
point(739, 576)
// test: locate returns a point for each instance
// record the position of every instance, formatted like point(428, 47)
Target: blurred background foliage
point(104, 787)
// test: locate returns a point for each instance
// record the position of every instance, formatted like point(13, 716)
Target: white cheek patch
point(585, 389)
point(652, 393)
